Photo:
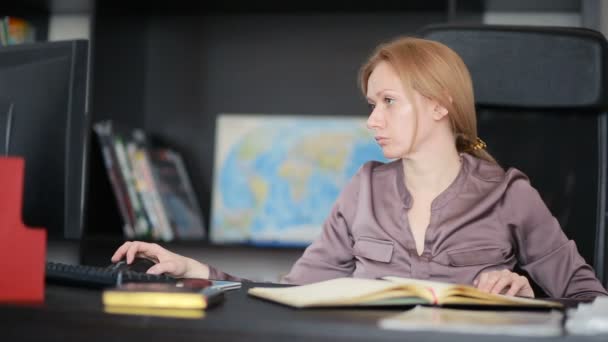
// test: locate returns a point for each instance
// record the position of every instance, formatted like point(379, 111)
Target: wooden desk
point(77, 314)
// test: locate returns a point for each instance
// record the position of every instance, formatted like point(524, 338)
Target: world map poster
point(276, 178)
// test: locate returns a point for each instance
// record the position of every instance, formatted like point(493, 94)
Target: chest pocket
point(480, 256)
point(374, 249)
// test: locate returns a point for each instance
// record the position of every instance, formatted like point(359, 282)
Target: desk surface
point(76, 314)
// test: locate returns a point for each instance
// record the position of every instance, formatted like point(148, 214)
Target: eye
point(389, 101)
point(371, 106)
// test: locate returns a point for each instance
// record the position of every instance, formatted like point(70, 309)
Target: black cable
point(7, 130)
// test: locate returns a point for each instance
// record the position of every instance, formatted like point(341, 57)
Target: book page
point(341, 291)
point(468, 296)
point(448, 293)
point(438, 287)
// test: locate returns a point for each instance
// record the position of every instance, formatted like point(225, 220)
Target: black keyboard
point(97, 277)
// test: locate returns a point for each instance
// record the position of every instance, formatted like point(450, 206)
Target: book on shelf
point(177, 194)
point(103, 132)
point(3, 34)
point(486, 322)
point(191, 294)
point(16, 30)
point(142, 225)
point(113, 140)
point(147, 186)
point(150, 184)
point(390, 291)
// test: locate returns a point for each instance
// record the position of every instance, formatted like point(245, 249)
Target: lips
point(381, 140)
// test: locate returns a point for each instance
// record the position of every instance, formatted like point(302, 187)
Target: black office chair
point(541, 96)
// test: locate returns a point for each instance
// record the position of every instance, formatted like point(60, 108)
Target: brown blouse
point(487, 219)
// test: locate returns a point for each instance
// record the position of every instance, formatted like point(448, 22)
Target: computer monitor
point(45, 88)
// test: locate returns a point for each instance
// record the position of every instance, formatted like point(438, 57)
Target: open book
point(389, 291)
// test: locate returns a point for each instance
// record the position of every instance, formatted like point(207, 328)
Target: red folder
point(22, 250)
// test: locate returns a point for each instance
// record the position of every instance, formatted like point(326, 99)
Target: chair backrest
point(541, 96)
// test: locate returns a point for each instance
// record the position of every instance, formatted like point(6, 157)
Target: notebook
point(389, 291)
point(157, 312)
point(588, 318)
point(162, 295)
point(486, 322)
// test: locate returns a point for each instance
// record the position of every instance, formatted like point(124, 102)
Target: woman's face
point(393, 114)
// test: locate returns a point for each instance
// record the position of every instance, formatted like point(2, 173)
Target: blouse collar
point(444, 197)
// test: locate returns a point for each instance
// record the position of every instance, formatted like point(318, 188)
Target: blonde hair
point(436, 72)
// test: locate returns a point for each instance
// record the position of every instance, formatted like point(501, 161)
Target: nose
point(375, 119)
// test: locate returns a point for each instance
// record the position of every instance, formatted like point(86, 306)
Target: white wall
point(69, 26)
point(603, 14)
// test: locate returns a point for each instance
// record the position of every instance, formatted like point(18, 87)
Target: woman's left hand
point(504, 282)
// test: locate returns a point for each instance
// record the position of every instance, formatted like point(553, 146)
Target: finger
point(139, 248)
point(151, 251)
point(516, 286)
point(489, 281)
point(121, 251)
point(481, 280)
point(132, 251)
point(503, 281)
point(526, 291)
point(168, 267)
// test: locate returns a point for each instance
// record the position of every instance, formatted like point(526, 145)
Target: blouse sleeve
point(542, 248)
point(215, 274)
point(331, 254)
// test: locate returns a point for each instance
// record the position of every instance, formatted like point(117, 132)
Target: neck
point(433, 170)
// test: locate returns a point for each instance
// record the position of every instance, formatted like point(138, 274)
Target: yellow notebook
point(389, 291)
point(158, 312)
point(161, 295)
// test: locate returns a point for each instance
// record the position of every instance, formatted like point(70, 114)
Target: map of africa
point(276, 177)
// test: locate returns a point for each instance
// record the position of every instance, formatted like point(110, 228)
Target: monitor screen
point(45, 87)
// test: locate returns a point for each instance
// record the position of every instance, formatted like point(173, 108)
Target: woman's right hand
point(167, 262)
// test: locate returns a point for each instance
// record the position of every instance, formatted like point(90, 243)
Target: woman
point(442, 210)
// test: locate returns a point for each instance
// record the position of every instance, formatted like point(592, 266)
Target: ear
point(439, 111)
